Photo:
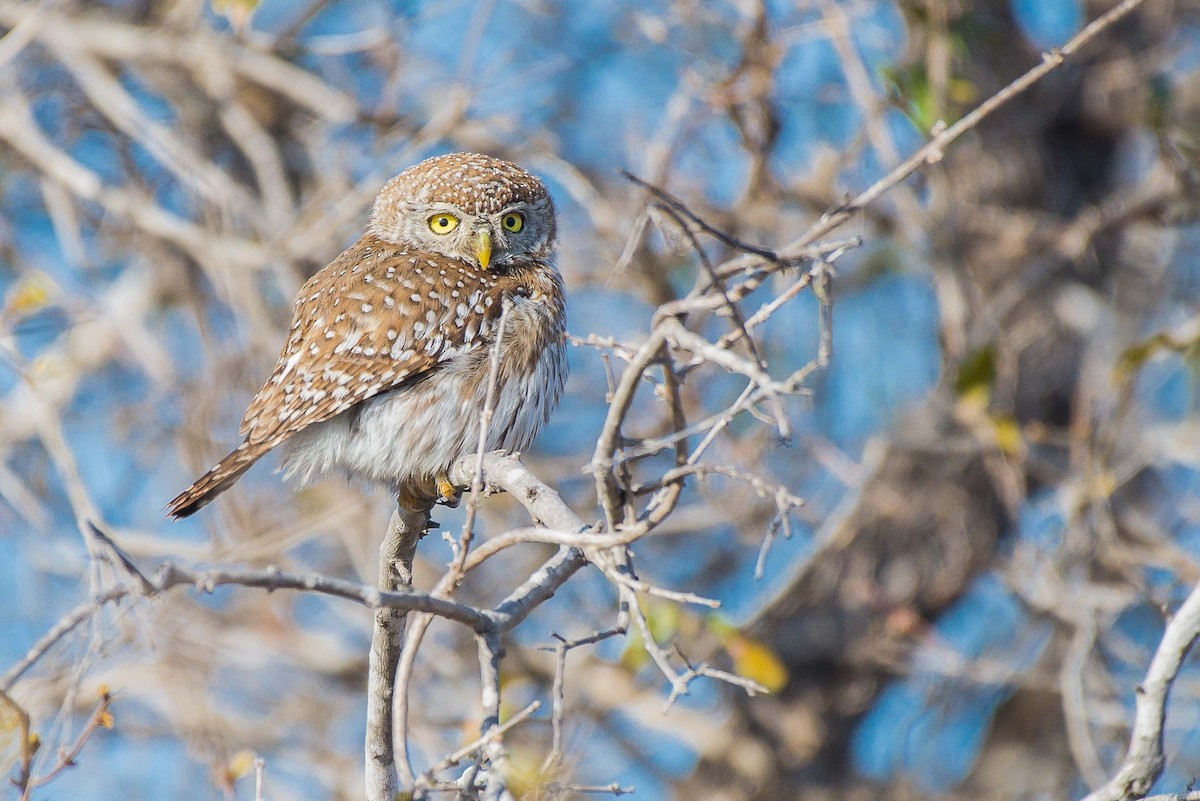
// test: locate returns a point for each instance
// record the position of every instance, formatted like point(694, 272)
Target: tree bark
point(395, 573)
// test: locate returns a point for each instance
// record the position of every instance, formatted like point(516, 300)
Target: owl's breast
point(532, 366)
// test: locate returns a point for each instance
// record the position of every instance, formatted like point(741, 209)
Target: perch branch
point(396, 555)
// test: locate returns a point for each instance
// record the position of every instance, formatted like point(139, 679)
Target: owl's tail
point(215, 481)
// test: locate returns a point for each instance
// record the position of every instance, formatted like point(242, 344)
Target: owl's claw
point(447, 493)
point(408, 498)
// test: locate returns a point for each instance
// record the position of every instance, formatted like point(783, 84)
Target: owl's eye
point(443, 223)
point(513, 222)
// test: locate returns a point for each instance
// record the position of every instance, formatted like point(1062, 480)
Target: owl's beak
point(483, 247)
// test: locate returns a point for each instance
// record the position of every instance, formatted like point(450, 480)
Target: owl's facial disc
point(446, 204)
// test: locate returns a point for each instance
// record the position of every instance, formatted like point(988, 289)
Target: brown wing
point(376, 317)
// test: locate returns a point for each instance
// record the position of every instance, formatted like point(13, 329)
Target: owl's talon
point(447, 493)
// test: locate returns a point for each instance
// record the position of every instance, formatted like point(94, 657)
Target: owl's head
point(467, 206)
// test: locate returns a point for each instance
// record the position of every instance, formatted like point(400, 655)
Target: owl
point(385, 370)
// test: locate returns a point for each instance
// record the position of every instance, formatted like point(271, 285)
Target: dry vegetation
point(224, 167)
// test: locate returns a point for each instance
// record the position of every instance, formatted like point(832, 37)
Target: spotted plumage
point(384, 371)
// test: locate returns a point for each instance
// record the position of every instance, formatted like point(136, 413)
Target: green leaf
point(976, 374)
point(1133, 358)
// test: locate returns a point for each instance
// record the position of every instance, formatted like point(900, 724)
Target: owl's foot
point(413, 499)
point(447, 493)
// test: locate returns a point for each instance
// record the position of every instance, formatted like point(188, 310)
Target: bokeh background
point(1001, 463)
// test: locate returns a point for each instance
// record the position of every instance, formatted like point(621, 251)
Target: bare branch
point(66, 757)
point(491, 735)
point(1145, 760)
point(396, 555)
point(171, 576)
point(555, 756)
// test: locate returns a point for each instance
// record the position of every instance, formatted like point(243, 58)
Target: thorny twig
point(557, 691)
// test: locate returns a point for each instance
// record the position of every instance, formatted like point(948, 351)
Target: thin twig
point(1075, 713)
point(485, 424)
point(554, 788)
point(681, 207)
point(659, 592)
point(68, 756)
point(1145, 760)
point(260, 770)
point(557, 692)
point(933, 150)
point(492, 734)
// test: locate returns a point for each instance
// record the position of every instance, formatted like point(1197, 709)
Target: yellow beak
point(483, 247)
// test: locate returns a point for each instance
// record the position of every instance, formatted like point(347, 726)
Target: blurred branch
point(933, 150)
point(119, 107)
point(66, 757)
point(20, 130)
point(874, 122)
point(171, 576)
point(1071, 680)
point(214, 60)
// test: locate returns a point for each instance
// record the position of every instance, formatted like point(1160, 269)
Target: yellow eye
point(443, 223)
point(513, 222)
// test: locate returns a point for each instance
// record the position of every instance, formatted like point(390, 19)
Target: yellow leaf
point(962, 91)
point(9, 719)
point(1103, 484)
point(1008, 435)
point(720, 627)
point(31, 294)
point(976, 398)
point(755, 661)
point(241, 764)
point(523, 772)
point(238, 12)
point(48, 366)
point(10, 741)
point(663, 619)
point(1135, 356)
point(634, 656)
